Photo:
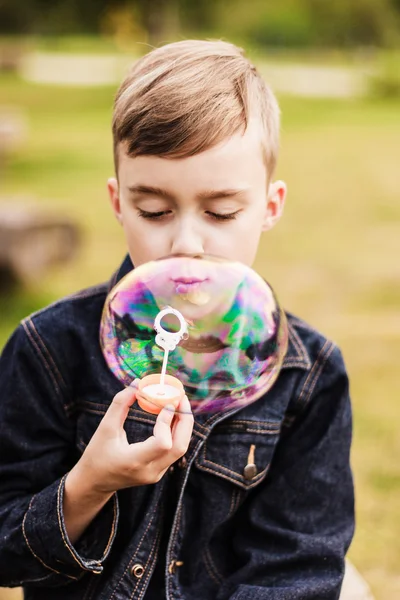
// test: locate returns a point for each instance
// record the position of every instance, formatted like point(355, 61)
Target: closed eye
point(223, 216)
point(153, 215)
point(144, 214)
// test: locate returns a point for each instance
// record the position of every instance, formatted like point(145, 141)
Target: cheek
point(251, 225)
point(248, 236)
point(247, 246)
point(239, 244)
point(145, 243)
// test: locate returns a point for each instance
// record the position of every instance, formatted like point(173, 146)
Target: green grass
point(334, 258)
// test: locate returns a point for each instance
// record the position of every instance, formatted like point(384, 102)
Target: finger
point(119, 408)
point(162, 428)
point(183, 427)
point(181, 435)
point(159, 443)
point(184, 408)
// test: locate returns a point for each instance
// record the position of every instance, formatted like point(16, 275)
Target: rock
point(32, 241)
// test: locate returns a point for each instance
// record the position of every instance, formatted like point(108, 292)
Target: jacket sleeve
point(299, 525)
point(37, 449)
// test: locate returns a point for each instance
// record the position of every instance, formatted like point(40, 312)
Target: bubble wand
point(156, 391)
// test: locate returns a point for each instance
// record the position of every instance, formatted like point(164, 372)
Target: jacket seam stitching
point(232, 504)
point(173, 536)
point(261, 427)
point(228, 474)
point(235, 501)
point(323, 363)
point(61, 527)
point(42, 357)
point(238, 478)
point(148, 575)
point(60, 524)
point(101, 412)
point(133, 557)
point(211, 568)
point(47, 353)
point(294, 362)
point(32, 551)
point(132, 417)
point(110, 539)
point(298, 344)
point(145, 567)
point(313, 376)
point(135, 418)
point(222, 468)
point(250, 422)
point(259, 431)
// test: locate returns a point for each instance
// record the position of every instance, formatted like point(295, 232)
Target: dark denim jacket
point(205, 531)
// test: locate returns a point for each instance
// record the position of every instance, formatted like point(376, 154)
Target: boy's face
point(217, 202)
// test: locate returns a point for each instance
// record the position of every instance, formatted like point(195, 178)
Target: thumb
point(119, 407)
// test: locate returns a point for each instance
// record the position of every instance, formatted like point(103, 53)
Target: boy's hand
point(110, 463)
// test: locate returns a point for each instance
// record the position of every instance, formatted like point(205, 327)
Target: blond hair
point(188, 96)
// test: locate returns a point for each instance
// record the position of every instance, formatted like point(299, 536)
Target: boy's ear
point(275, 203)
point(113, 191)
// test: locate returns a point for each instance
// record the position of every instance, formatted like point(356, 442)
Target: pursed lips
point(185, 285)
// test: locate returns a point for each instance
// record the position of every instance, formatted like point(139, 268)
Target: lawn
point(334, 258)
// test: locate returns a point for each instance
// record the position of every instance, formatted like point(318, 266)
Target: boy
point(101, 500)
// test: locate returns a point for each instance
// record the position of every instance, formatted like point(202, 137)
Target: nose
point(186, 240)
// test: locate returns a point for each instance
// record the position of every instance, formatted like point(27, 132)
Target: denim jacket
point(209, 529)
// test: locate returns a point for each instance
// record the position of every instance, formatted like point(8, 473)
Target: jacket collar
point(123, 270)
point(296, 355)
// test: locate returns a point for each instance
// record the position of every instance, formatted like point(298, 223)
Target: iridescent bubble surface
point(236, 331)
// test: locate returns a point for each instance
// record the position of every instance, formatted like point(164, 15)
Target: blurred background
point(335, 257)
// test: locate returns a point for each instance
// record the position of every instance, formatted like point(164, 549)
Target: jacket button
point(137, 571)
point(250, 471)
point(172, 566)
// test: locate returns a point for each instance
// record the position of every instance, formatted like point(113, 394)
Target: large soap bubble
point(213, 325)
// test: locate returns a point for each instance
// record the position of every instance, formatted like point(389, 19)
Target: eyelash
point(153, 216)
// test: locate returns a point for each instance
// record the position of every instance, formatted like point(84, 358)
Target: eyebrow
point(217, 194)
point(148, 190)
